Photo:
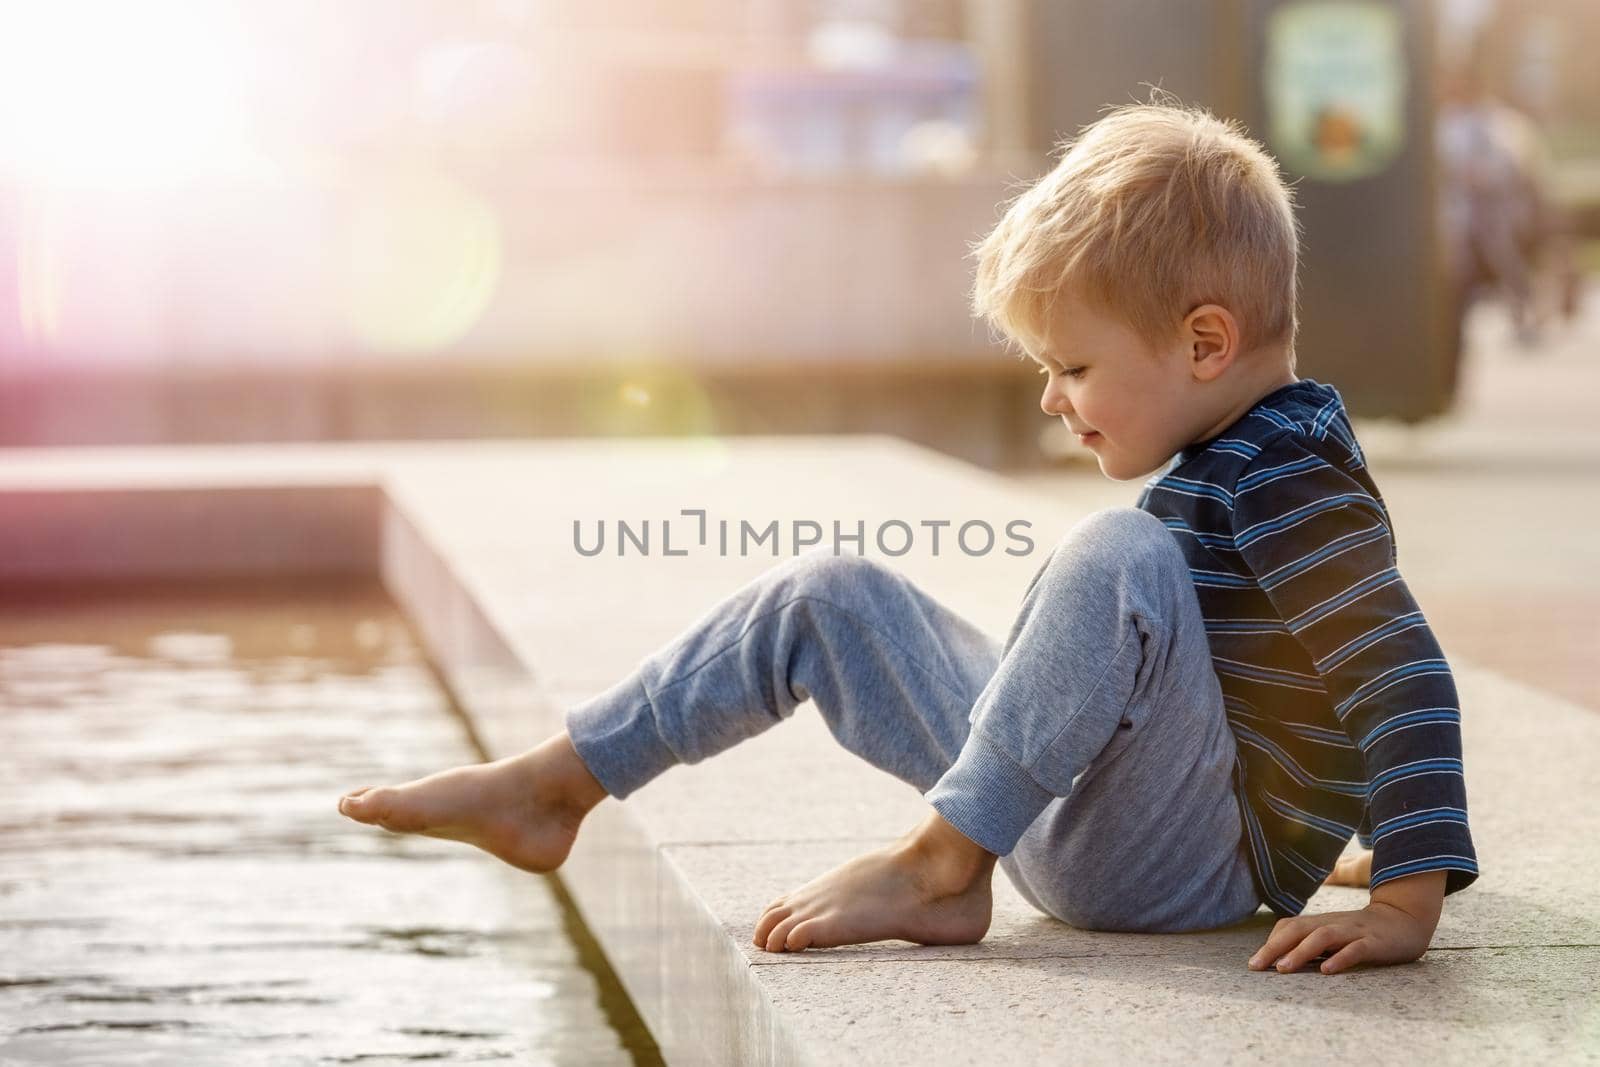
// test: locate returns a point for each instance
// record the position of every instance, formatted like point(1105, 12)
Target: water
point(176, 885)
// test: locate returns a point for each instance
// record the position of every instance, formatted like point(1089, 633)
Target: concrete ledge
point(474, 542)
point(178, 532)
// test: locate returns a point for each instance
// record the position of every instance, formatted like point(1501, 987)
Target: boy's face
point(1104, 378)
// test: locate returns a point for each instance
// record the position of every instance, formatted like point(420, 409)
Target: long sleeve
point(1320, 547)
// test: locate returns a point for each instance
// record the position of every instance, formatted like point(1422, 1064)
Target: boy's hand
point(1378, 933)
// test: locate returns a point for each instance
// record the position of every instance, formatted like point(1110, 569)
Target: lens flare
point(424, 256)
point(40, 273)
point(646, 397)
point(650, 398)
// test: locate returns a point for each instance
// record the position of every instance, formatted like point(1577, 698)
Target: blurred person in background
point(1503, 232)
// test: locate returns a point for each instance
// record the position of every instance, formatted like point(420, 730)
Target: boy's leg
point(1100, 764)
point(893, 673)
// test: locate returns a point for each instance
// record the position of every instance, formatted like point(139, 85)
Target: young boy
point(1202, 698)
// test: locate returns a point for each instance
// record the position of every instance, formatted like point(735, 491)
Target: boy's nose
point(1051, 401)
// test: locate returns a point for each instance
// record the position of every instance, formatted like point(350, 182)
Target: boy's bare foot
point(931, 887)
point(1352, 870)
point(525, 809)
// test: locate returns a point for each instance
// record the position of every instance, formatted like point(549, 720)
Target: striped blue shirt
point(1341, 701)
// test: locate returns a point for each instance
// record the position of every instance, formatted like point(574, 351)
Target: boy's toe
point(819, 932)
point(779, 941)
point(780, 934)
point(800, 938)
point(769, 919)
point(369, 805)
point(350, 803)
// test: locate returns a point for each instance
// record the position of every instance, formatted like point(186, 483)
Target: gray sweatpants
point(1090, 752)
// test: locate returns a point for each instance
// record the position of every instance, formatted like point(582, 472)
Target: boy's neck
point(1275, 374)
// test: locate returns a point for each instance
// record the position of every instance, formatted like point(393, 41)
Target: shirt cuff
point(1446, 847)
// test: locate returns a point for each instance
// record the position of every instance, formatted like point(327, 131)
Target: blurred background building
point(251, 221)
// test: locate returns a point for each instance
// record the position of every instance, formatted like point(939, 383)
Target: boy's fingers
point(1282, 939)
point(1315, 943)
point(1353, 953)
point(1285, 936)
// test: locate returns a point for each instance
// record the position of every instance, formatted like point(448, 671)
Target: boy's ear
point(1212, 336)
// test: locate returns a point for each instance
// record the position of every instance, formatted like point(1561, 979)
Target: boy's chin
point(1119, 470)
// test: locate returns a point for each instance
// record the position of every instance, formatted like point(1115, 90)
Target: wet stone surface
point(176, 885)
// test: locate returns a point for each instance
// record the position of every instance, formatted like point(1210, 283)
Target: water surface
point(176, 885)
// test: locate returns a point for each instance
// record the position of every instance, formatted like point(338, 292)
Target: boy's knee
point(833, 577)
point(1116, 539)
point(1119, 526)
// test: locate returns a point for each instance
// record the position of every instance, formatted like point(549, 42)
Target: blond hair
point(1154, 210)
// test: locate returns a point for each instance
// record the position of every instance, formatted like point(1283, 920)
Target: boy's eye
point(1075, 372)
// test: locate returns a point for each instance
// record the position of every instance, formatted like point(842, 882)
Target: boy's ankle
point(951, 858)
point(557, 762)
point(584, 790)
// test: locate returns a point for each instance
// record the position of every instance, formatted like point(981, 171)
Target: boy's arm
point(1420, 896)
point(1320, 547)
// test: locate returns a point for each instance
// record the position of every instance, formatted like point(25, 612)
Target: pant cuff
point(988, 796)
point(615, 735)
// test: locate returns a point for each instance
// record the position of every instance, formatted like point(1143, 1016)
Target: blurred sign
point(1335, 87)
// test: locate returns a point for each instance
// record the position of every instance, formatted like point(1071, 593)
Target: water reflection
point(176, 886)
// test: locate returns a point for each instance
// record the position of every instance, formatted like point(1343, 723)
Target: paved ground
point(1500, 503)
